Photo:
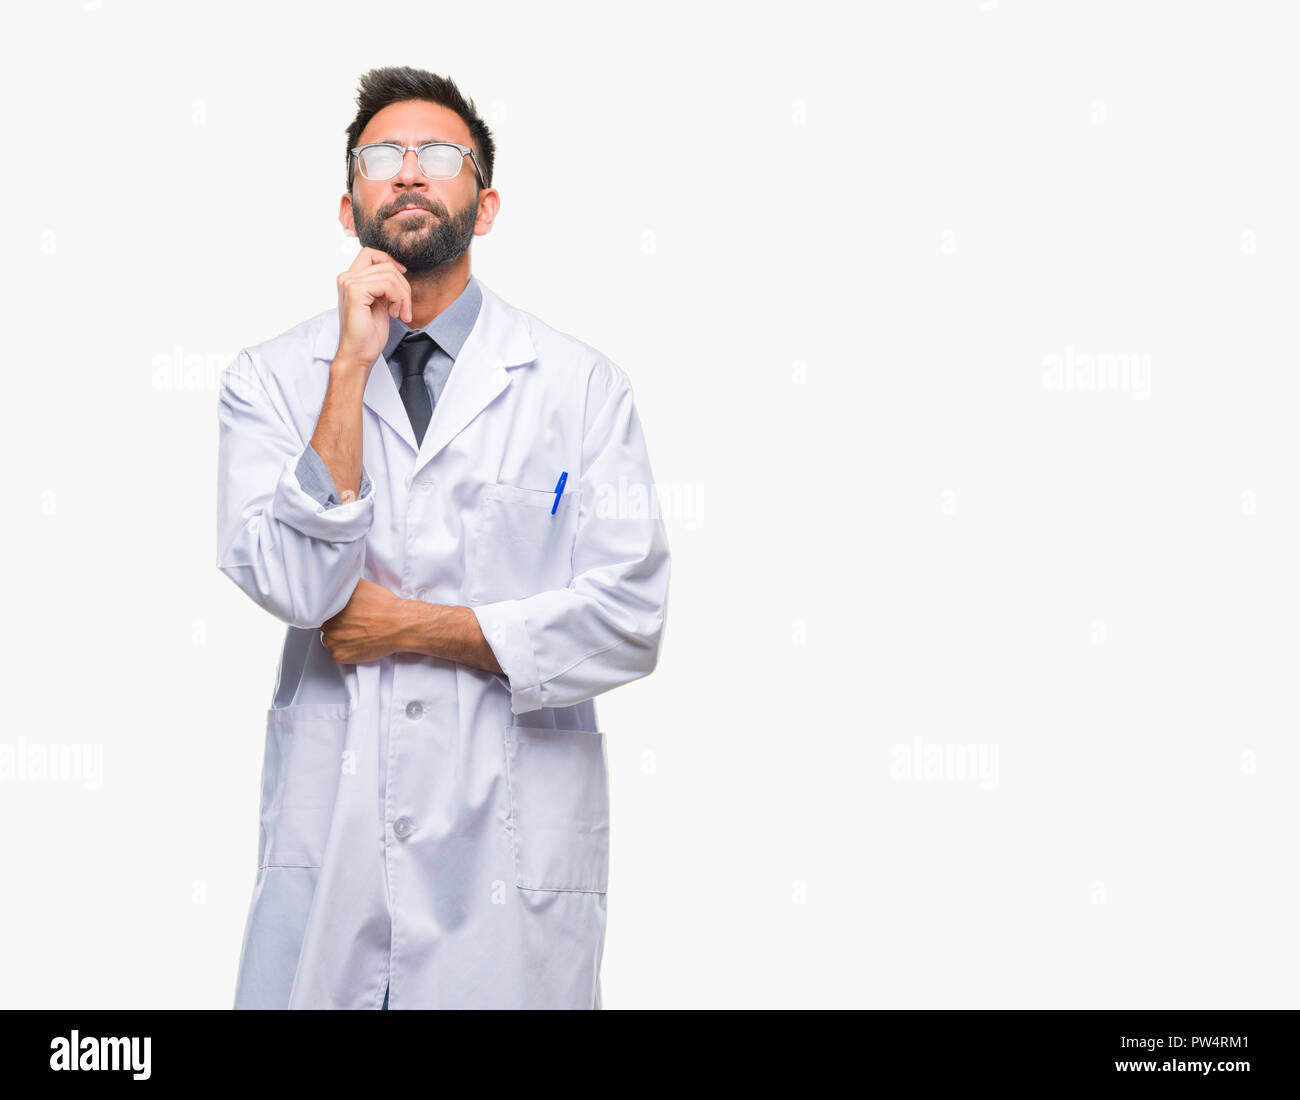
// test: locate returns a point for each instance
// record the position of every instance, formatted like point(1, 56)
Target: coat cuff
point(504, 628)
point(302, 511)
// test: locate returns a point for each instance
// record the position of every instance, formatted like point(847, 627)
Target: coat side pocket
point(300, 780)
point(559, 808)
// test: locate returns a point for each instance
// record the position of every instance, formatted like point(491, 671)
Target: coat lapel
point(498, 341)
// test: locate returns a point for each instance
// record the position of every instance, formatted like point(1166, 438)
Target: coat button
point(403, 827)
point(414, 710)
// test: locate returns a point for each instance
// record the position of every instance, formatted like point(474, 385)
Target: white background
point(857, 260)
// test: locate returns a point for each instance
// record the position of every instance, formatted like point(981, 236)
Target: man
point(431, 488)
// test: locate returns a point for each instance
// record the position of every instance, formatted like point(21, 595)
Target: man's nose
point(410, 171)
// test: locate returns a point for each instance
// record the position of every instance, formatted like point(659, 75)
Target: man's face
point(443, 223)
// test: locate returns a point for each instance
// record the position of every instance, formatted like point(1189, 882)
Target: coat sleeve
point(564, 646)
point(291, 554)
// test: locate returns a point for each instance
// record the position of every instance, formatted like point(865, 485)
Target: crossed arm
point(376, 622)
point(303, 562)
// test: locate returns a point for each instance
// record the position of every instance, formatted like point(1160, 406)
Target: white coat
point(427, 826)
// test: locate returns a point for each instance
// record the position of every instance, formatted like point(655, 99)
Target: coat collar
point(498, 341)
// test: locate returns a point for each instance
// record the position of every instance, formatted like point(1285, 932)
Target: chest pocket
point(517, 548)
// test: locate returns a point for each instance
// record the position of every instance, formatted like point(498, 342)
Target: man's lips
point(410, 210)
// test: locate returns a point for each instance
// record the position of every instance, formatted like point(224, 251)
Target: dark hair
point(380, 88)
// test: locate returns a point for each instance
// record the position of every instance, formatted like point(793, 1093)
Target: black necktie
point(411, 355)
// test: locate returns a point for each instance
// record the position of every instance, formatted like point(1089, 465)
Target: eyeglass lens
point(383, 162)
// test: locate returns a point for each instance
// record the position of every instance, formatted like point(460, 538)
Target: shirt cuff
point(305, 512)
point(316, 480)
point(503, 626)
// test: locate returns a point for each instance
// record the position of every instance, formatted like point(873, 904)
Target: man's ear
point(345, 215)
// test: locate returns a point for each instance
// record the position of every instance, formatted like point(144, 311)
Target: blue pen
point(559, 489)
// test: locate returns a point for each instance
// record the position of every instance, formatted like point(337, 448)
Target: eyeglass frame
point(465, 151)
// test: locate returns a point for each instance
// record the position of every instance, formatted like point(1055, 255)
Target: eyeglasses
point(439, 160)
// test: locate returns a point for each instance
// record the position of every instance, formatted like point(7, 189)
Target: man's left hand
point(368, 628)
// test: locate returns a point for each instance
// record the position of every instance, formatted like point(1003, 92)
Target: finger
point(386, 283)
point(375, 275)
point(402, 294)
point(379, 282)
point(368, 257)
point(353, 274)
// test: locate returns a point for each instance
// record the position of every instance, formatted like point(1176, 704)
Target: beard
point(421, 242)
